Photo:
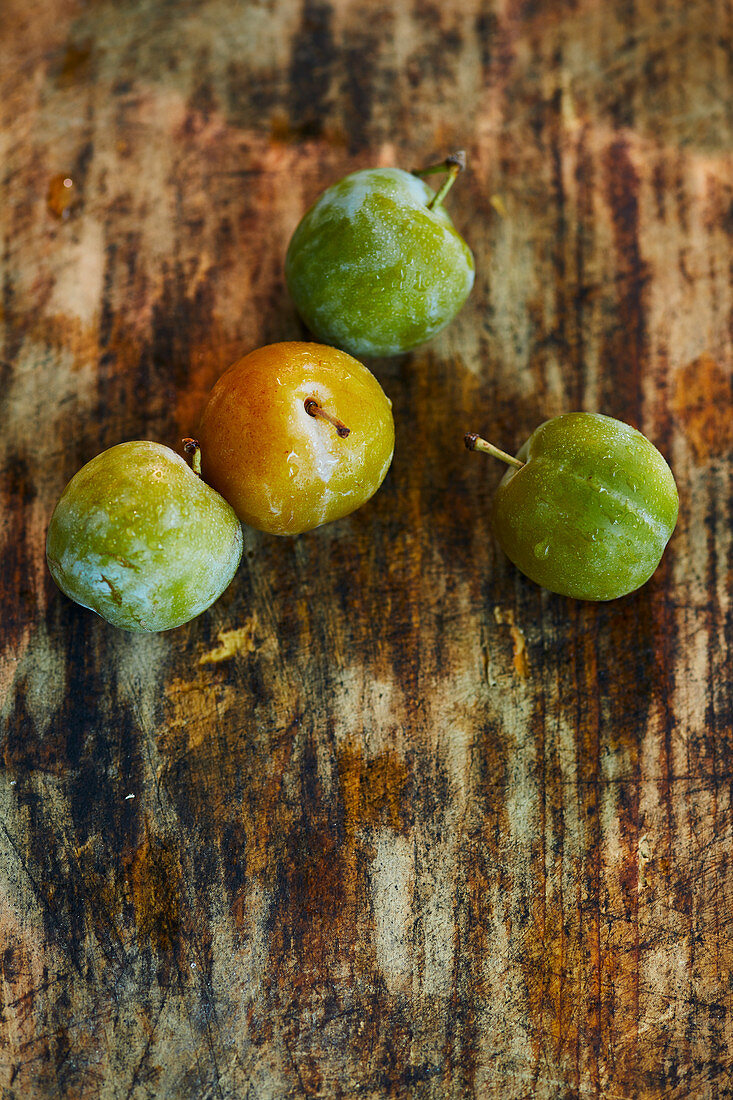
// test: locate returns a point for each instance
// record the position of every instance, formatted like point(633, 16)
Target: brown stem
point(314, 409)
point(452, 164)
point(476, 443)
point(193, 449)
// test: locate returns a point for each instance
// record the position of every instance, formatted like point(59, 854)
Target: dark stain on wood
point(311, 72)
point(627, 347)
point(155, 887)
point(76, 64)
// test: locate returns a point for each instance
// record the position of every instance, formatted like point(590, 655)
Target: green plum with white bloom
point(586, 507)
point(376, 266)
point(139, 538)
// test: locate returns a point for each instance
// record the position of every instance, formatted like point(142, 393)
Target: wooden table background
point(388, 820)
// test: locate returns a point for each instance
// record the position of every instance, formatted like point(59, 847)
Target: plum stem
point(453, 165)
point(314, 409)
point(193, 449)
point(476, 443)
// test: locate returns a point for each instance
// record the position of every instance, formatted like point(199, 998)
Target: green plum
point(376, 266)
point(139, 538)
point(586, 507)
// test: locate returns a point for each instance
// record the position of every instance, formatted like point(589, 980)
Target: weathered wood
point(388, 821)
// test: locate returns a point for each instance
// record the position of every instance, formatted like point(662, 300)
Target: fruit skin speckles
point(137, 537)
point(589, 507)
point(375, 271)
point(285, 469)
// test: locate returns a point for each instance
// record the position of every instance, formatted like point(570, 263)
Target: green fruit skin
point(592, 509)
point(141, 540)
point(372, 270)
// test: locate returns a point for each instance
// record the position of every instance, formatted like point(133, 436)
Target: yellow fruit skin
point(137, 537)
point(283, 470)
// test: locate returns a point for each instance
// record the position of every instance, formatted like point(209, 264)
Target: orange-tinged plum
point(296, 435)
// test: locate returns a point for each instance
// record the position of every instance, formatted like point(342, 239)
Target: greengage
point(296, 435)
point(139, 538)
point(376, 266)
point(587, 506)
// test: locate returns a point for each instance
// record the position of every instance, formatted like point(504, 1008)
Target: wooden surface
point(388, 821)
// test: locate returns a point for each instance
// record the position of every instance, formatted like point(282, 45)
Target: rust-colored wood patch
point(703, 401)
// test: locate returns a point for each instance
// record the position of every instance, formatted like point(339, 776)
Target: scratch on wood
point(231, 643)
point(505, 617)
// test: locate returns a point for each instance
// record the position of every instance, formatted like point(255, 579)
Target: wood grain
point(388, 820)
